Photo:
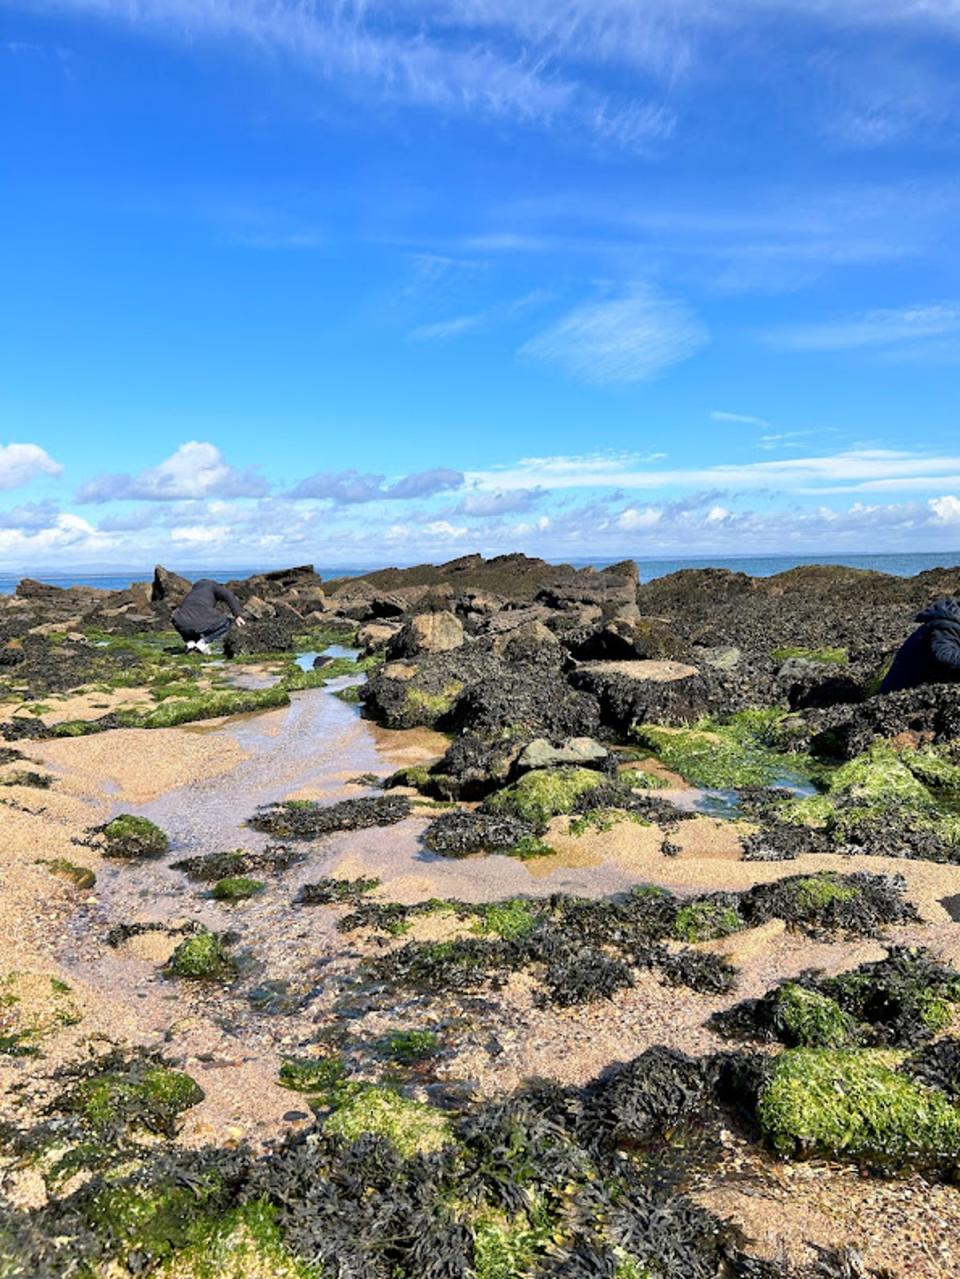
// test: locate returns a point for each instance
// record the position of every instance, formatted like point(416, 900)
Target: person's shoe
point(202, 646)
point(190, 646)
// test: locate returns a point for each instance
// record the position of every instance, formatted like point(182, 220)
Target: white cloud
point(884, 327)
point(632, 518)
point(68, 534)
point(444, 530)
point(195, 470)
point(852, 470)
point(200, 534)
point(622, 340)
point(744, 419)
point(21, 463)
point(946, 509)
point(444, 329)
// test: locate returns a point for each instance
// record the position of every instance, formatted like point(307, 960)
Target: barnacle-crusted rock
point(527, 701)
point(932, 712)
point(271, 635)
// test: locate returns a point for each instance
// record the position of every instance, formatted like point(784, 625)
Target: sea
point(901, 565)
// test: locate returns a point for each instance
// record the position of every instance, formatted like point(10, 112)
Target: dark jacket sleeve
point(227, 597)
point(945, 647)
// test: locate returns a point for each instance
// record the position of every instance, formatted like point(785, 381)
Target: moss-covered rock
point(705, 920)
point(855, 1105)
point(881, 777)
point(63, 868)
point(813, 1020)
point(823, 656)
point(132, 836)
point(367, 1109)
point(244, 1243)
point(133, 1093)
point(201, 957)
point(544, 793)
point(237, 888)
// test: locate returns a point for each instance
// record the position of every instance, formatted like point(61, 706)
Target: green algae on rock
point(854, 1104)
point(131, 836)
point(413, 1128)
point(236, 888)
point(202, 956)
point(544, 793)
point(746, 750)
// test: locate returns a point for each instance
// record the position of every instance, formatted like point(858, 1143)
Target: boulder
point(428, 633)
point(474, 767)
point(582, 752)
point(272, 635)
point(168, 588)
point(629, 639)
point(256, 609)
point(530, 642)
point(375, 636)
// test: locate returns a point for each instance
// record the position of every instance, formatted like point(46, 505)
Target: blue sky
point(367, 281)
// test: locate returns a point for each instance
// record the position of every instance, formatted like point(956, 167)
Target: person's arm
point(945, 647)
point(227, 597)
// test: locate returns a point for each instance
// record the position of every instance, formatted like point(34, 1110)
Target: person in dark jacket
point(198, 619)
point(932, 653)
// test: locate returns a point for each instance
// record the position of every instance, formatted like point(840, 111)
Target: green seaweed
point(201, 957)
point(825, 656)
point(854, 1104)
point(236, 888)
point(545, 793)
point(132, 836)
point(413, 1128)
point(705, 921)
point(813, 1020)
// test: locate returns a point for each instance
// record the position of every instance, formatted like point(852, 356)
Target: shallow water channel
point(316, 748)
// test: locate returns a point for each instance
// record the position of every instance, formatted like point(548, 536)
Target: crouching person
point(932, 653)
point(199, 621)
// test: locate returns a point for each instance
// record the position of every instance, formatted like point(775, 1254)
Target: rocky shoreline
point(571, 926)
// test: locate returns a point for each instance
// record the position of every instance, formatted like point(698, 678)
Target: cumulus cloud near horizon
point(196, 469)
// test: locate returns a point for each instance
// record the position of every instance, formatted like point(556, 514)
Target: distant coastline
point(651, 567)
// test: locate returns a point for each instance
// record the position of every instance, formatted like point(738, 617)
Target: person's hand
point(241, 622)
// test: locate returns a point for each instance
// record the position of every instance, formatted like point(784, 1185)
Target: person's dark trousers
point(211, 636)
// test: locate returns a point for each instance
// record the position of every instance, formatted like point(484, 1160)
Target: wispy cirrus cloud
point(620, 340)
point(885, 327)
point(742, 419)
point(195, 470)
point(851, 470)
point(409, 52)
point(442, 330)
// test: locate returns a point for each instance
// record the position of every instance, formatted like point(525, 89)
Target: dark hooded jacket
point(198, 612)
point(932, 653)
